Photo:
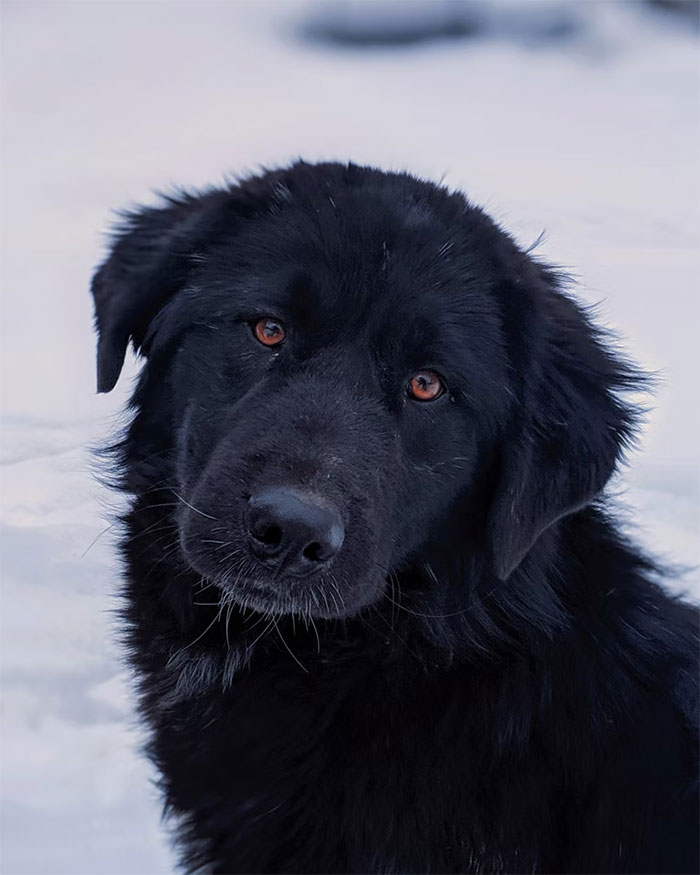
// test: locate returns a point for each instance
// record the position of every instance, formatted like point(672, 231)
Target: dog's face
point(346, 365)
point(328, 403)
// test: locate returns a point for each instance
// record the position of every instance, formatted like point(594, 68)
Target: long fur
point(490, 677)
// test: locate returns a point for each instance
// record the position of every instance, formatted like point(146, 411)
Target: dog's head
point(348, 367)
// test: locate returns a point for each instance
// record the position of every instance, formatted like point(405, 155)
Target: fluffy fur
point(487, 677)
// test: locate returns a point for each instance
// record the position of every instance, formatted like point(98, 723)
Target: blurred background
point(577, 119)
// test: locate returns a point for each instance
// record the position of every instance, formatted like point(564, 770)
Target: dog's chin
point(300, 597)
point(283, 598)
point(254, 589)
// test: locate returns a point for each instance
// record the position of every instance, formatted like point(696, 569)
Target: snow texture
point(593, 138)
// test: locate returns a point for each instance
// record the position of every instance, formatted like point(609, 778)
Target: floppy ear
point(570, 430)
point(149, 262)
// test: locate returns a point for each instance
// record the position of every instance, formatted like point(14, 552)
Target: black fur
point(487, 677)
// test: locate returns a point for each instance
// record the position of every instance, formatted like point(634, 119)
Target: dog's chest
point(377, 775)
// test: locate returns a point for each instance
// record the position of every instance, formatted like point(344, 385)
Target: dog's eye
point(269, 332)
point(425, 386)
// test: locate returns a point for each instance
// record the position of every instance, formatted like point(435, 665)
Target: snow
point(594, 139)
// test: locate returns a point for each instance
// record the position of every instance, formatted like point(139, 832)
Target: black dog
point(381, 619)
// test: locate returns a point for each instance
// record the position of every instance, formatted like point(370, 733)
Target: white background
point(595, 140)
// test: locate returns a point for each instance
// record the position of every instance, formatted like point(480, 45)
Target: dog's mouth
point(304, 598)
point(240, 578)
point(284, 551)
point(339, 591)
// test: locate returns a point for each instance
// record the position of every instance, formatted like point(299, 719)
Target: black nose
point(292, 531)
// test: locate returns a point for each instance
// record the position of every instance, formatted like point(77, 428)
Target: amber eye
point(425, 386)
point(269, 332)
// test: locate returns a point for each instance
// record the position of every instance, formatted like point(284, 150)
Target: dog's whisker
point(318, 640)
point(192, 507)
point(288, 649)
point(270, 620)
point(202, 634)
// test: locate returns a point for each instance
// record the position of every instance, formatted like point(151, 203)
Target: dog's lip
point(250, 592)
point(259, 597)
point(248, 584)
point(267, 602)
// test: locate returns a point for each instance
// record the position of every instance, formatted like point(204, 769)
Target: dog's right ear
point(149, 262)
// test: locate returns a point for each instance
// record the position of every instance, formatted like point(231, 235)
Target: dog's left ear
point(571, 425)
point(149, 262)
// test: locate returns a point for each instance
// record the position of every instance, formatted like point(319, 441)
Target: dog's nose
point(291, 530)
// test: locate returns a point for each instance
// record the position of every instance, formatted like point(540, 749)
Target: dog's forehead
point(355, 261)
point(399, 279)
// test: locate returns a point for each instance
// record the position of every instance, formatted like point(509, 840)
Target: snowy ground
point(595, 141)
